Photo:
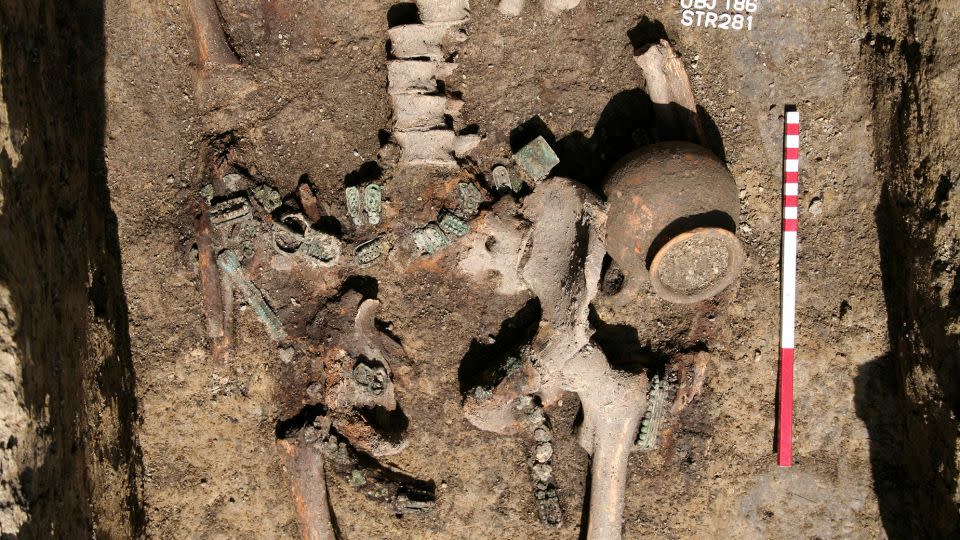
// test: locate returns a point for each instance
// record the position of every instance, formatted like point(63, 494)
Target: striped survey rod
point(788, 283)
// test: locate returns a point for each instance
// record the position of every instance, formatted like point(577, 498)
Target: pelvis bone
point(559, 232)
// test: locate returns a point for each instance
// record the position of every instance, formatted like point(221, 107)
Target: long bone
point(560, 263)
point(212, 45)
point(668, 86)
point(304, 464)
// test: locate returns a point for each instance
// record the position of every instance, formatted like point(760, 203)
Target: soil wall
point(911, 53)
point(68, 456)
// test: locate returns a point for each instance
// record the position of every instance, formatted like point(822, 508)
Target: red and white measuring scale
point(788, 283)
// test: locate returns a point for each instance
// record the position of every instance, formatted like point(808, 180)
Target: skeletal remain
point(417, 112)
point(214, 305)
point(437, 11)
point(560, 263)
point(211, 43)
point(434, 41)
point(402, 492)
point(668, 85)
point(351, 401)
point(421, 110)
point(309, 202)
point(512, 8)
point(304, 465)
point(355, 405)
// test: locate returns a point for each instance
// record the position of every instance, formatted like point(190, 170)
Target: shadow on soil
point(913, 433)
point(628, 121)
point(61, 261)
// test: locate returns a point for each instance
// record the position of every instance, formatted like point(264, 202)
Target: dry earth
point(190, 444)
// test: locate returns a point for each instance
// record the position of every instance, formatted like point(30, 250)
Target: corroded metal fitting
point(673, 213)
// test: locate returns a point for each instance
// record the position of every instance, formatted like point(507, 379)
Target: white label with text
point(719, 14)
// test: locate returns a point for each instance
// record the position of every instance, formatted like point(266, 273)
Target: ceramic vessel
point(672, 219)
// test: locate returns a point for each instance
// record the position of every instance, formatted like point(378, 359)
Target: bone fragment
point(557, 6)
point(561, 265)
point(212, 47)
point(349, 399)
point(415, 112)
point(421, 125)
point(304, 465)
point(217, 320)
point(563, 262)
point(499, 411)
point(669, 88)
point(512, 8)
point(309, 203)
point(404, 493)
point(613, 405)
point(435, 147)
point(432, 41)
point(464, 144)
point(432, 11)
point(496, 249)
point(415, 76)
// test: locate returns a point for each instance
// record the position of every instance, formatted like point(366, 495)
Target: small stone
point(543, 453)
point(315, 391)
point(430, 238)
point(207, 192)
point(373, 203)
point(286, 354)
point(453, 225)
point(268, 197)
point(352, 195)
point(541, 434)
point(816, 206)
point(537, 159)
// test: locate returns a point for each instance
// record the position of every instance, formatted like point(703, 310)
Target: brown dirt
point(876, 394)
